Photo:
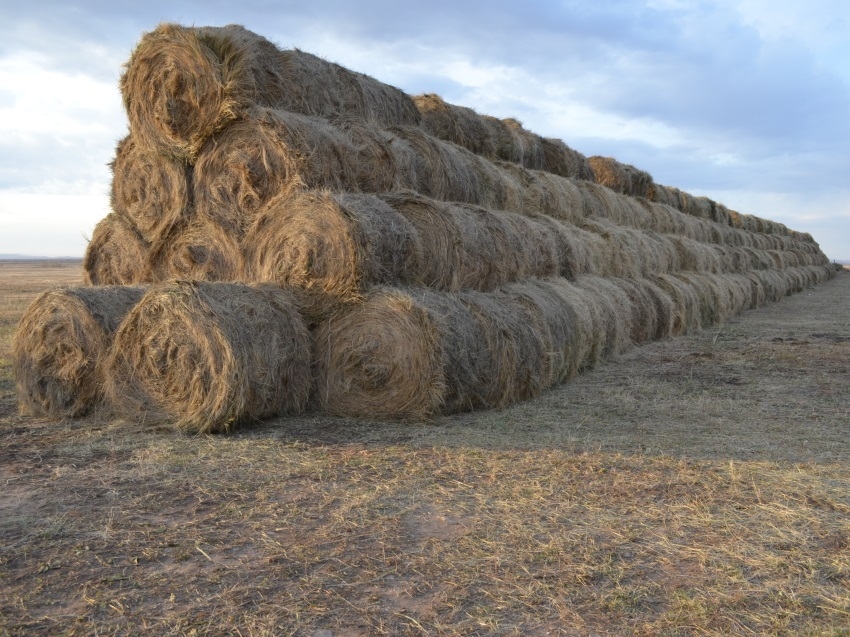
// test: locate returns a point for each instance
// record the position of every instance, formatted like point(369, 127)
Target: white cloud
point(50, 225)
point(66, 106)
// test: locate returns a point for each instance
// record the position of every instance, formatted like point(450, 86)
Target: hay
point(413, 354)
point(622, 178)
point(390, 357)
point(686, 317)
point(436, 168)
point(459, 248)
point(561, 160)
point(373, 164)
point(203, 251)
point(337, 244)
point(612, 317)
point(208, 356)
point(265, 154)
point(644, 320)
point(471, 247)
point(529, 146)
point(538, 192)
point(624, 250)
point(713, 296)
point(60, 344)
point(116, 254)
point(517, 363)
point(457, 124)
point(573, 247)
point(557, 321)
point(500, 139)
point(153, 192)
point(182, 84)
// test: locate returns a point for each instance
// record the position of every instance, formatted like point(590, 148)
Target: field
point(690, 487)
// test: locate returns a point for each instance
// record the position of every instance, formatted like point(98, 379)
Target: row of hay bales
point(508, 140)
point(340, 242)
point(207, 356)
point(287, 235)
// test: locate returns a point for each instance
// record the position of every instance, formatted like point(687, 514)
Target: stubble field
point(697, 486)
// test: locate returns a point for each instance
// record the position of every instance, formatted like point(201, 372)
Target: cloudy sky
point(745, 101)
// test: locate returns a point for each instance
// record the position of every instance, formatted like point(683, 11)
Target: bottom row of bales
point(206, 357)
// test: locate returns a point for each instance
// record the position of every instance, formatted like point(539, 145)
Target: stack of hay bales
point(507, 140)
point(298, 235)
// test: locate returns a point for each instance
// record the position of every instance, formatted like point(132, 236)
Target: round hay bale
point(559, 198)
point(620, 256)
point(572, 247)
point(557, 322)
point(524, 240)
point(116, 254)
point(435, 168)
point(412, 354)
point(265, 154)
point(391, 356)
point(203, 251)
point(504, 139)
point(652, 309)
point(665, 255)
point(774, 284)
point(152, 191)
point(444, 265)
point(713, 296)
point(457, 124)
point(373, 164)
point(740, 292)
point(664, 308)
point(516, 345)
point(644, 320)
point(182, 84)
point(757, 291)
point(334, 243)
point(612, 315)
point(621, 178)
point(208, 356)
point(686, 316)
point(60, 344)
point(532, 194)
point(529, 145)
point(561, 160)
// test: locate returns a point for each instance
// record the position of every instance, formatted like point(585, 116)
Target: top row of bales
point(477, 133)
point(183, 84)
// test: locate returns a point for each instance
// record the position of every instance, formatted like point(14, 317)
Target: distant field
point(690, 487)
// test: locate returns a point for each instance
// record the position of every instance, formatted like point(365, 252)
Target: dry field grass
point(690, 487)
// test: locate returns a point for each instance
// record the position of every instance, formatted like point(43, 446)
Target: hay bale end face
point(208, 356)
point(334, 243)
point(60, 345)
point(152, 191)
point(116, 254)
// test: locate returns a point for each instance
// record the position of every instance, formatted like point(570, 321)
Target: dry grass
point(691, 487)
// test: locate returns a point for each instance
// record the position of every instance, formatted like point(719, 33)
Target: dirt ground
point(696, 486)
